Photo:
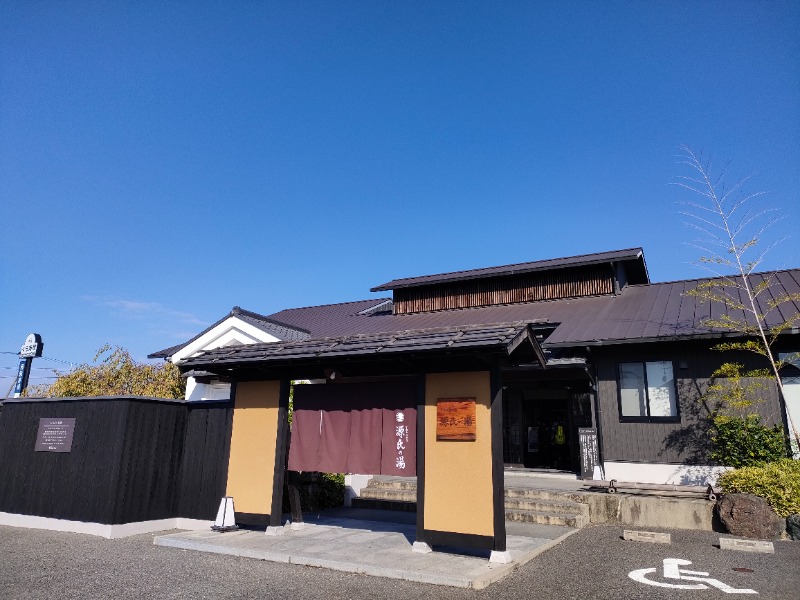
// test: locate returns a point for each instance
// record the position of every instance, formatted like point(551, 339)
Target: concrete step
point(548, 506)
point(544, 494)
point(375, 503)
point(547, 518)
point(383, 482)
point(523, 504)
point(377, 493)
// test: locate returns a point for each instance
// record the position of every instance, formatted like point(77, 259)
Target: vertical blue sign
point(23, 373)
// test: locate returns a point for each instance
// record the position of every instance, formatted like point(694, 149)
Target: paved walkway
point(372, 543)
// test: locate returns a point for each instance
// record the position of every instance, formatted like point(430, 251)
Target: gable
point(232, 331)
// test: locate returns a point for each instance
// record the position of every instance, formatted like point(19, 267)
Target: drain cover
point(742, 570)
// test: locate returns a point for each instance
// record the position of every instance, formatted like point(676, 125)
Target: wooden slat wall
point(131, 460)
point(75, 486)
point(564, 283)
point(685, 442)
point(205, 459)
point(150, 463)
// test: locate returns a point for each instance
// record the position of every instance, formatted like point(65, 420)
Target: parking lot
point(594, 563)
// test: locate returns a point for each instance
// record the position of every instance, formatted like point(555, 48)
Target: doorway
point(541, 422)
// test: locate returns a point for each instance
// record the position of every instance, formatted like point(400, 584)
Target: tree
point(732, 229)
point(115, 373)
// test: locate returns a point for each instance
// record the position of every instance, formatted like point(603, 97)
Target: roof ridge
point(376, 300)
point(237, 310)
point(600, 256)
point(674, 281)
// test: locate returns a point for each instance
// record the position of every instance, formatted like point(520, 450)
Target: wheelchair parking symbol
point(673, 571)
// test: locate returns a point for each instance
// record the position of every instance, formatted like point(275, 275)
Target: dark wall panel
point(148, 479)
point(74, 485)
point(685, 442)
point(204, 462)
point(132, 459)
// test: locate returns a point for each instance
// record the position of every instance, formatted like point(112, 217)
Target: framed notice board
point(455, 419)
point(590, 455)
point(55, 435)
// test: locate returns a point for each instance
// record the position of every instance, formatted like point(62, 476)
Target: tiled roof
point(632, 254)
point(498, 337)
point(282, 331)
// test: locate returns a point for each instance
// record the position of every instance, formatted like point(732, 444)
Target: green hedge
point(745, 441)
point(777, 482)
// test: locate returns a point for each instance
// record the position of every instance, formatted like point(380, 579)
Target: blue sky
point(162, 162)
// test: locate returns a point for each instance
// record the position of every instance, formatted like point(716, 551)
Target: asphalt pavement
point(594, 563)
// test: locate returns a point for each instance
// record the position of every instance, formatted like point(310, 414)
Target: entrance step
point(547, 518)
point(403, 489)
point(523, 504)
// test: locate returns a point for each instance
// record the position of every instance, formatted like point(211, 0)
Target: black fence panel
point(149, 469)
point(76, 485)
point(204, 463)
point(131, 459)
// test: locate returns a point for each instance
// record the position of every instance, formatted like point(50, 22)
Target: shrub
point(777, 482)
point(318, 491)
point(744, 441)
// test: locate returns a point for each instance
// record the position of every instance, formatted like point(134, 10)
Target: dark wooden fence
point(132, 459)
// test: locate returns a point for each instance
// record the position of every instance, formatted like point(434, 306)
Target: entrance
point(541, 422)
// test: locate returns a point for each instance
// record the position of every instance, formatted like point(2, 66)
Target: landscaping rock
point(793, 526)
point(746, 515)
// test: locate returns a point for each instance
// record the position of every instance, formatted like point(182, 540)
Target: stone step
point(384, 504)
point(537, 494)
point(393, 483)
point(527, 505)
point(547, 506)
point(376, 493)
point(547, 518)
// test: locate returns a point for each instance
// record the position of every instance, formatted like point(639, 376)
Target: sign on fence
point(55, 435)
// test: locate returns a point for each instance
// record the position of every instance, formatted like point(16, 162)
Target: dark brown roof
point(640, 313)
point(282, 331)
point(501, 337)
point(632, 255)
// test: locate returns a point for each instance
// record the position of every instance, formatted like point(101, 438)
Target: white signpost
point(673, 571)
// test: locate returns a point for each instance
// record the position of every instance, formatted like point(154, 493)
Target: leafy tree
point(732, 227)
point(115, 373)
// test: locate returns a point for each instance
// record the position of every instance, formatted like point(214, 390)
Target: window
point(647, 392)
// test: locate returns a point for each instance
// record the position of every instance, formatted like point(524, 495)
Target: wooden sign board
point(455, 419)
point(590, 454)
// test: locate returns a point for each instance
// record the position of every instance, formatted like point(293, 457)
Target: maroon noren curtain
point(367, 428)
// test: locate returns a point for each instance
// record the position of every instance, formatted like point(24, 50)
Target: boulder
point(746, 515)
point(793, 526)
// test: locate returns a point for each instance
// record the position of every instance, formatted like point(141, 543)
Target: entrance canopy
point(446, 348)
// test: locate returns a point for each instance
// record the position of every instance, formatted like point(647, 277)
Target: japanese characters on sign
point(401, 433)
point(590, 456)
point(55, 435)
point(455, 419)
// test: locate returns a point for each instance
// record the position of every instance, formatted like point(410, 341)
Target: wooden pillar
point(498, 466)
point(281, 449)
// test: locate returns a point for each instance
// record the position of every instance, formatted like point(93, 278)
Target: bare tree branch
point(733, 229)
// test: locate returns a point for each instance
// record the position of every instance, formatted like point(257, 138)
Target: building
point(606, 350)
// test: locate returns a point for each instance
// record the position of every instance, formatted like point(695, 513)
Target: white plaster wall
point(353, 484)
point(204, 391)
point(231, 330)
point(663, 473)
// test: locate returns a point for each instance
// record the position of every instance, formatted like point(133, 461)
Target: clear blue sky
point(162, 162)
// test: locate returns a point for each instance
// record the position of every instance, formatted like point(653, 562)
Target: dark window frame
point(647, 418)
